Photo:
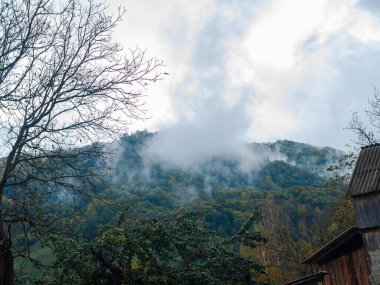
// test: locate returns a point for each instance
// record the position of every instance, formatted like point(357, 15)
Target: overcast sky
point(258, 70)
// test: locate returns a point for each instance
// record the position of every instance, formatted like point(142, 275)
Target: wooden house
point(364, 190)
point(353, 257)
point(344, 258)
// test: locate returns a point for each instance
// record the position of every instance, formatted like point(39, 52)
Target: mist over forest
point(286, 177)
point(142, 155)
point(155, 178)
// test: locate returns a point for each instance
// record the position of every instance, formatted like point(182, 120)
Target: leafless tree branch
point(65, 85)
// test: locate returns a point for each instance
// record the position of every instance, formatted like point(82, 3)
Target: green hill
point(290, 179)
point(303, 165)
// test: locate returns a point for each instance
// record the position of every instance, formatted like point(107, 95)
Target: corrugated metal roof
point(366, 176)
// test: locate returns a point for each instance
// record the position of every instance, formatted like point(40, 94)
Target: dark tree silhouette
point(65, 85)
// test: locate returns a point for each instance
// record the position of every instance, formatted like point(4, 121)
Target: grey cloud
point(369, 5)
point(208, 125)
point(325, 104)
point(322, 102)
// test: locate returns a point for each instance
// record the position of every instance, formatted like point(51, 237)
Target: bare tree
point(65, 85)
point(367, 131)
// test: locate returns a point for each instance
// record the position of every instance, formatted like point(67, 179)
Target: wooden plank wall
point(367, 210)
point(349, 269)
point(371, 239)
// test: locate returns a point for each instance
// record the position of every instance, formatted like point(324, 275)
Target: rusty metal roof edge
point(333, 244)
point(310, 277)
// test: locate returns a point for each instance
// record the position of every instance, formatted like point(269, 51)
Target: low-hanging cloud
point(305, 67)
point(213, 117)
point(217, 130)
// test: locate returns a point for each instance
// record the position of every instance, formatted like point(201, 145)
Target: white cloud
point(301, 66)
point(279, 28)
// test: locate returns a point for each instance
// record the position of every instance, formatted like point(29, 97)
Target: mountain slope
point(302, 165)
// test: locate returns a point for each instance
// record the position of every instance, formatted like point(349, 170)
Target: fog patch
point(218, 132)
point(213, 111)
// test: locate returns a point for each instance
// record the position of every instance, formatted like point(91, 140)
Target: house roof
point(366, 176)
point(316, 277)
point(345, 241)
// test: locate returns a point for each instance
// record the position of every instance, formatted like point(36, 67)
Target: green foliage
point(219, 188)
point(308, 169)
point(307, 157)
point(175, 250)
point(279, 174)
point(296, 230)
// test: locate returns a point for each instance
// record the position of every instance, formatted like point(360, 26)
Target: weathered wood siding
point(371, 239)
point(347, 268)
point(367, 210)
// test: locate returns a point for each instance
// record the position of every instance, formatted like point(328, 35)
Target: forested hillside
point(299, 211)
point(299, 165)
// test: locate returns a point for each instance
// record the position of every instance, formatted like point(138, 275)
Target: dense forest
point(296, 207)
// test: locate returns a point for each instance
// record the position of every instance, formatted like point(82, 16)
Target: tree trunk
point(6, 265)
point(6, 256)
